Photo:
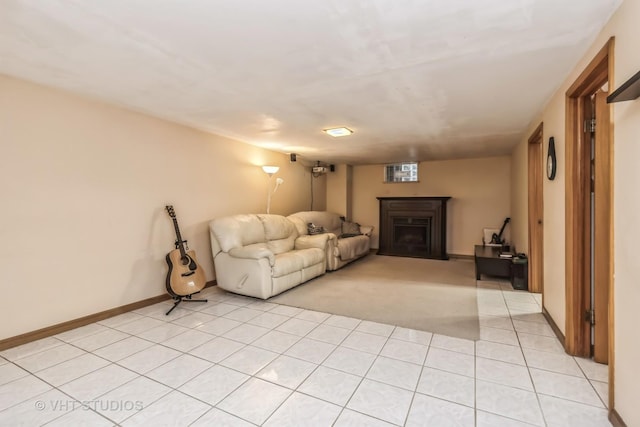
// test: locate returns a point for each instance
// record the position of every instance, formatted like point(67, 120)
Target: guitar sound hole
point(185, 261)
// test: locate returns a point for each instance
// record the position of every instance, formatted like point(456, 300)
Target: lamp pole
point(270, 170)
point(269, 194)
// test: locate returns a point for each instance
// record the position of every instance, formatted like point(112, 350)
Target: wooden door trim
point(535, 211)
point(577, 223)
point(603, 271)
point(536, 136)
point(577, 331)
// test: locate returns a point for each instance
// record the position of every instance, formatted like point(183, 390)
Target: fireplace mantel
point(413, 227)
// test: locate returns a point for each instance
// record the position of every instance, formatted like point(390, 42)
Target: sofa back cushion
point(350, 229)
point(300, 225)
point(237, 231)
point(329, 220)
point(279, 232)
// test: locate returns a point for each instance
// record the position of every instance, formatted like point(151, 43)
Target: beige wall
point(83, 188)
point(302, 191)
point(553, 200)
point(624, 26)
point(337, 190)
point(480, 191)
point(340, 191)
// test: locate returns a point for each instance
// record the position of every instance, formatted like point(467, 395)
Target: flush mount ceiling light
point(270, 170)
point(336, 132)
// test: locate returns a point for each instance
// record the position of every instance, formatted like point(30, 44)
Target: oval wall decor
point(551, 160)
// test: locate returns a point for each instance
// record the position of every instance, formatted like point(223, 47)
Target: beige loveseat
point(263, 255)
point(340, 250)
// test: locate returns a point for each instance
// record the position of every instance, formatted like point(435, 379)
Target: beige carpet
point(429, 295)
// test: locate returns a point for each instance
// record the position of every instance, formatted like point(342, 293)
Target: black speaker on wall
point(292, 156)
point(332, 168)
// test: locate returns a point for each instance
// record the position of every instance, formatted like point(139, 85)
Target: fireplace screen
point(411, 233)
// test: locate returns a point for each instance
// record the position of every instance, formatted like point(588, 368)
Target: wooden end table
point(489, 262)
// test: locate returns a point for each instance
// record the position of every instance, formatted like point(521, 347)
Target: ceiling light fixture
point(336, 132)
point(270, 170)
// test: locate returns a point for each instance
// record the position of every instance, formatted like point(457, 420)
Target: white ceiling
point(415, 79)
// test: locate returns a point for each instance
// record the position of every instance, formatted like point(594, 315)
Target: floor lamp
point(270, 170)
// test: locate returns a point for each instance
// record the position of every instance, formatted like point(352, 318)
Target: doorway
point(588, 214)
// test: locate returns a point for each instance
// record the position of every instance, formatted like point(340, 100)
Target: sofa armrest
point(313, 241)
point(366, 230)
point(253, 253)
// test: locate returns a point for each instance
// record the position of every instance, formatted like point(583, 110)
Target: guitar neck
point(506, 221)
point(179, 242)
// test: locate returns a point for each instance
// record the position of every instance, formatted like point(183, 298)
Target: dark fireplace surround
point(413, 227)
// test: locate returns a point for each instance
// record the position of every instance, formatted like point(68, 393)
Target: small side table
point(488, 261)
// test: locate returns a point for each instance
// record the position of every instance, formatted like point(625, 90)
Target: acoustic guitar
point(185, 276)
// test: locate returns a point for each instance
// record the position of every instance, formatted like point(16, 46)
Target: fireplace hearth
point(413, 227)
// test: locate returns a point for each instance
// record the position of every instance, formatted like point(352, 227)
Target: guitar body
point(185, 277)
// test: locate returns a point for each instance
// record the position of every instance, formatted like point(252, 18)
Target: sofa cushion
point(281, 245)
point(300, 225)
point(255, 251)
point(352, 247)
point(329, 220)
point(350, 229)
point(311, 256)
point(277, 227)
point(238, 230)
point(279, 232)
point(289, 262)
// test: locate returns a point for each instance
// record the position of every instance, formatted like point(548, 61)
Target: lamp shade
point(270, 170)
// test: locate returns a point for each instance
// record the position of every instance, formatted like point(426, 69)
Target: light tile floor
point(238, 361)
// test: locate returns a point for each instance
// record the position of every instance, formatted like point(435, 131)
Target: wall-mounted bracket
point(630, 90)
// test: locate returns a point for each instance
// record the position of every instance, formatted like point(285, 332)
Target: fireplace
point(411, 232)
point(413, 226)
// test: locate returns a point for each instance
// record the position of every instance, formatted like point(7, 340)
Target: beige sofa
point(340, 250)
point(263, 255)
